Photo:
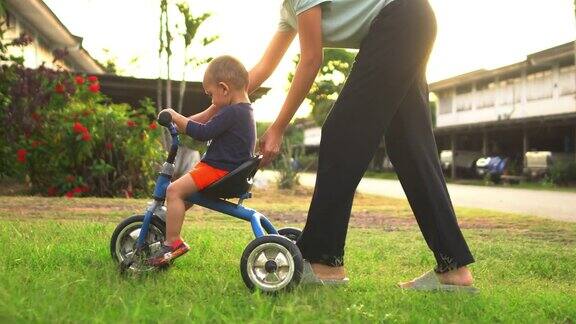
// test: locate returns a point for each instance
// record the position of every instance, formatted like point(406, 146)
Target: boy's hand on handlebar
point(179, 120)
point(170, 110)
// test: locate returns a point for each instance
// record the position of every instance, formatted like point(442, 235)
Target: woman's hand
point(270, 144)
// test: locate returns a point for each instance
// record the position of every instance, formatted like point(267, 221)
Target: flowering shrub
point(60, 134)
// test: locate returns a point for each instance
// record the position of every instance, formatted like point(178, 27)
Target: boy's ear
point(225, 87)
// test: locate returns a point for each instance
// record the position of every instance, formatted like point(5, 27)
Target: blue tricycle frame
point(271, 262)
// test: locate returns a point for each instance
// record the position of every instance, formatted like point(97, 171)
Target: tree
point(191, 25)
point(336, 65)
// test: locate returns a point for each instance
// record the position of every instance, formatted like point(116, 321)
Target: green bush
point(309, 162)
point(288, 173)
point(63, 137)
point(563, 173)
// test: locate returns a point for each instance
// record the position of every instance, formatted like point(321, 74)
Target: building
point(34, 18)
point(526, 106)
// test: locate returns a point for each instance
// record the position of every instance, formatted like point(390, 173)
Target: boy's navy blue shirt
point(232, 132)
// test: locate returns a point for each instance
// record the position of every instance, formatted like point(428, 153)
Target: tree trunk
point(182, 93)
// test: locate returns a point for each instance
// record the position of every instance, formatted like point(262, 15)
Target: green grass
point(55, 267)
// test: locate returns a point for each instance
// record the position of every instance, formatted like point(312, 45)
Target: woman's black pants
point(385, 95)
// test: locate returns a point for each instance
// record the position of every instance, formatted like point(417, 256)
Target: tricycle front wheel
point(125, 236)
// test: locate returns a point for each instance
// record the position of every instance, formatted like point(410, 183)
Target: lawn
point(55, 267)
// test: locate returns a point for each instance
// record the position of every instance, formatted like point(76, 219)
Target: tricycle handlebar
point(165, 119)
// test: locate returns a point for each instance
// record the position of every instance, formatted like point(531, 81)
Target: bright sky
point(472, 34)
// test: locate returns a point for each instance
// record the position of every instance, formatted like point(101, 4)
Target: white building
point(35, 19)
point(543, 85)
point(527, 106)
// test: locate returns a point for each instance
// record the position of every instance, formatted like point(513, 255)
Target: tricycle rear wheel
point(271, 263)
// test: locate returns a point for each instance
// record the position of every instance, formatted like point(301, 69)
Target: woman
point(386, 95)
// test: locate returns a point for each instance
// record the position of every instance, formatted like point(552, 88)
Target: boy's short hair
point(229, 70)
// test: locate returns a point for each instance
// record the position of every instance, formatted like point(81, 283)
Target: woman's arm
point(311, 55)
point(274, 52)
point(259, 73)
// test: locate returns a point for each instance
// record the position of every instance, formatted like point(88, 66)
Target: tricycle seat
point(236, 183)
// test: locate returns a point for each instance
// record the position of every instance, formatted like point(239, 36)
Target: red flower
point(153, 126)
point(70, 178)
point(86, 137)
point(70, 194)
point(92, 79)
point(131, 123)
point(35, 116)
point(84, 189)
point(79, 128)
point(52, 191)
point(108, 146)
point(94, 87)
point(77, 190)
point(79, 80)
point(59, 88)
point(22, 155)
point(35, 144)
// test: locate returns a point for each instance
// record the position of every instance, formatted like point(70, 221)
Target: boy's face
point(219, 92)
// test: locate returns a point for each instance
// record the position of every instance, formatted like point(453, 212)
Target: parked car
point(491, 166)
point(463, 160)
point(538, 163)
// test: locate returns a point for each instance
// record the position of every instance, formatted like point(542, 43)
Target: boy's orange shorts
point(204, 175)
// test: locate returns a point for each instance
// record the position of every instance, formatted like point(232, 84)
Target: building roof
point(542, 58)
point(131, 90)
point(38, 16)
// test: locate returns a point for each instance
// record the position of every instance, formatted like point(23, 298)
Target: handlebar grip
point(165, 119)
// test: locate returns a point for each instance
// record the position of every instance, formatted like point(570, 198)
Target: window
point(485, 94)
point(539, 85)
point(510, 91)
point(567, 82)
point(444, 103)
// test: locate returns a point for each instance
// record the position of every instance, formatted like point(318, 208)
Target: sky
point(472, 35)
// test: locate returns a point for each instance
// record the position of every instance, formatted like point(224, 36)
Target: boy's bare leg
point(175, 194)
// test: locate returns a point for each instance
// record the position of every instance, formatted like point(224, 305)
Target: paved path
point(549, 204)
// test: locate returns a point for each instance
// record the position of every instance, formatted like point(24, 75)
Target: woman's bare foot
point(458, 277)
point(323, 271)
